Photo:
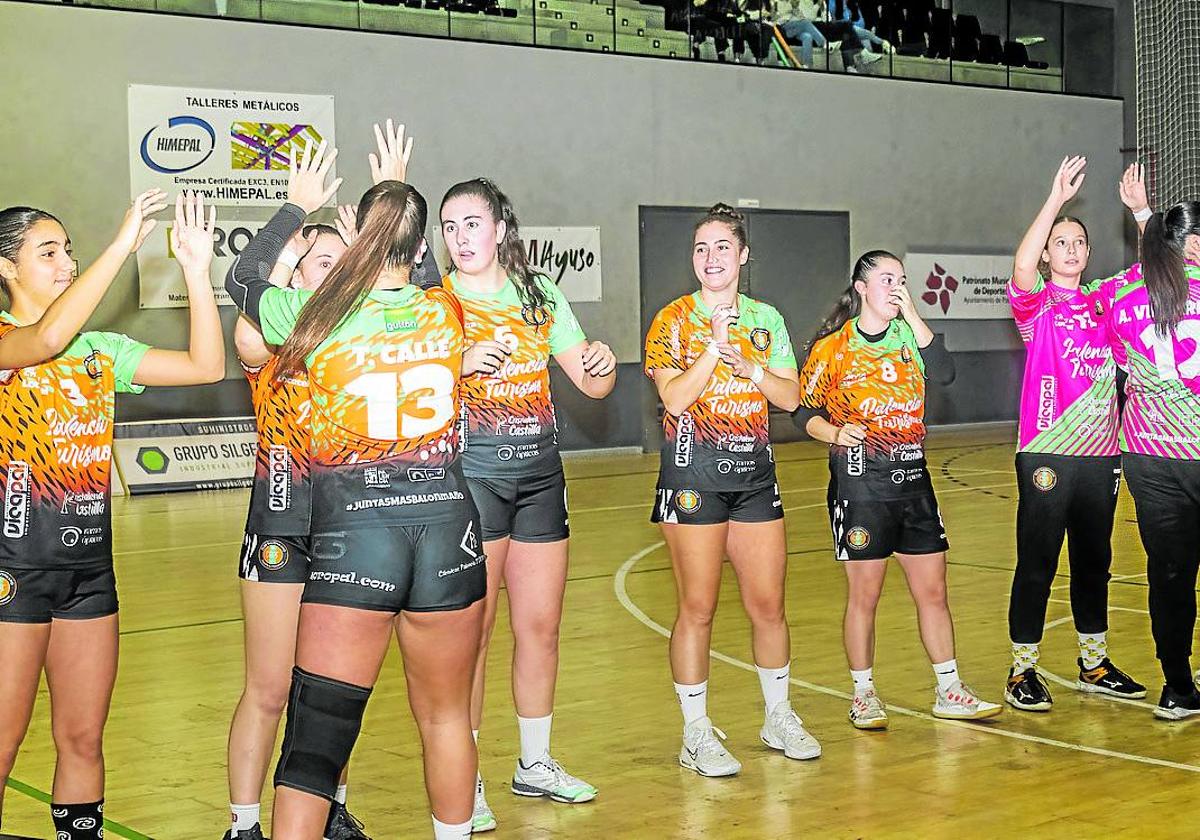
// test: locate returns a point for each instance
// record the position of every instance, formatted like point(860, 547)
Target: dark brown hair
point(726, 215)
point(849, 304)
point(1163, 248)
point(1043, 266)
point(391, 227)
point(510, 250)
point(15, 223)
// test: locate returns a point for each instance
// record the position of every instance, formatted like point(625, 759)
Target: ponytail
point(510, 251)
point(1163, 248)
point(849, 305)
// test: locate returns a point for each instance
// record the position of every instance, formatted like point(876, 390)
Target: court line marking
point(633, 609)
point(43, 797)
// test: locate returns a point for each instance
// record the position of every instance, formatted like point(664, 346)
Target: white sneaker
point(867, 711)
point(783, 730)
point(545, 777)
point(959, 702)
point(483, 819)
point(703, 753)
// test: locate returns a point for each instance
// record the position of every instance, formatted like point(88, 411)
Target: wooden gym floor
point(1092, 766)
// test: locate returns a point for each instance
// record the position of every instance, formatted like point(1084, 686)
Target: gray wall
point(575, 138)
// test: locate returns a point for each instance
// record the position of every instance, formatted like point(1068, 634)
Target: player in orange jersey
point(718, 358)
point(395, 537)
point(274, 563)
point(516, 319)
point(863, 392)
point(58, 599)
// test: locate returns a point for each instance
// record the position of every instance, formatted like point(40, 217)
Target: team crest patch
point(534, 316)
point(273, 555)
point(92, 365)
point(8, 588)
point(1044, 479)
point(688, 501)
point(760, 338)
point(858, 538)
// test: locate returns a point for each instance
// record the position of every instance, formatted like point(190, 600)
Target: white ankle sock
point(244, 817)
point(946, 673)
point(340, 796)
point(446, 831)
point(1025, 656)
point(775, 685)
point(535, 738)
point(475, 735)
point(864, 680)
point(1093, 648)
point(693, 700)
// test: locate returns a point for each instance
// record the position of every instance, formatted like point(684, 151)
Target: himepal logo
point(183, 143)
point(941, 287)
point(16, 501)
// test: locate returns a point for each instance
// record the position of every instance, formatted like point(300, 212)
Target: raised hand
point(306, 177)
point(900, 296)
point(347, 223)
point(599, 359)
point(723, 316)
point(484, 357)
point(192, 236)
point(1069, 178)
point(391, 164)
point(1132, 188)
point(739, 364)
point(135, 227)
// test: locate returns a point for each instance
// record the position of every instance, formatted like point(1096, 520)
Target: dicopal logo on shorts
point(1044, 479)
point(688, 501)
point(685, 433)
point(273, 555)
point(854, 460)
point(858, 538)
point(1047, 402)
point(16, 500)
point(279, 478)
point(8, 588)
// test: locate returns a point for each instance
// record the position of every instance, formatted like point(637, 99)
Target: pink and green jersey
point(1162, 409)
point(1068, 395)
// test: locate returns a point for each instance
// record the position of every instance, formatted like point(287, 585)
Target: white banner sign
point(946, 286)
point(232, 146)
point(570, 256)
point(161, 283)
point(159, 457)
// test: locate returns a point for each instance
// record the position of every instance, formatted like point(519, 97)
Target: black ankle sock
point(1178, 674)
point(78, 822)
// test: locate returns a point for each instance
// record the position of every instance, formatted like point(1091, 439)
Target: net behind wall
point(1168, 91)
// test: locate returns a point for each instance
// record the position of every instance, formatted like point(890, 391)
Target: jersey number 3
point(411, 404)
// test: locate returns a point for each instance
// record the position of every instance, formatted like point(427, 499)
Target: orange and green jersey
point(384, 449)
point(281, 499)
point(56, 431)
point(722, 441)
point(507, 426)
point(879, 385)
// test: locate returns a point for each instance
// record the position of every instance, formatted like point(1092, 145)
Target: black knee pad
point(323, 719)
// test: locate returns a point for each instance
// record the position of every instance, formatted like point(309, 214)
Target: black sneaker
point(254, 832)
point(342, 825)
point(1175, 706)
point(1027, 691)
point(1107, 678)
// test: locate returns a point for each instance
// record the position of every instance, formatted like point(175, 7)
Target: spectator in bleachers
point(807, 23)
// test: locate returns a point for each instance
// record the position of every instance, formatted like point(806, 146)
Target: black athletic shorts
point(419, 568)
point(873, 529)
point(270, 559)
point(712, 507)
point(527, 510)
point(35, 596)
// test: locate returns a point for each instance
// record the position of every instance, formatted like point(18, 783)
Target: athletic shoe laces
point(788, 724)
point(709, 747)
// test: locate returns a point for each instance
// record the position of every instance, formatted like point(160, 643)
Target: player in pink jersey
point(1068, 464)
point(1155, 329)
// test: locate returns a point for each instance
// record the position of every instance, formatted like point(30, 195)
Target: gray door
point(799, 262)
